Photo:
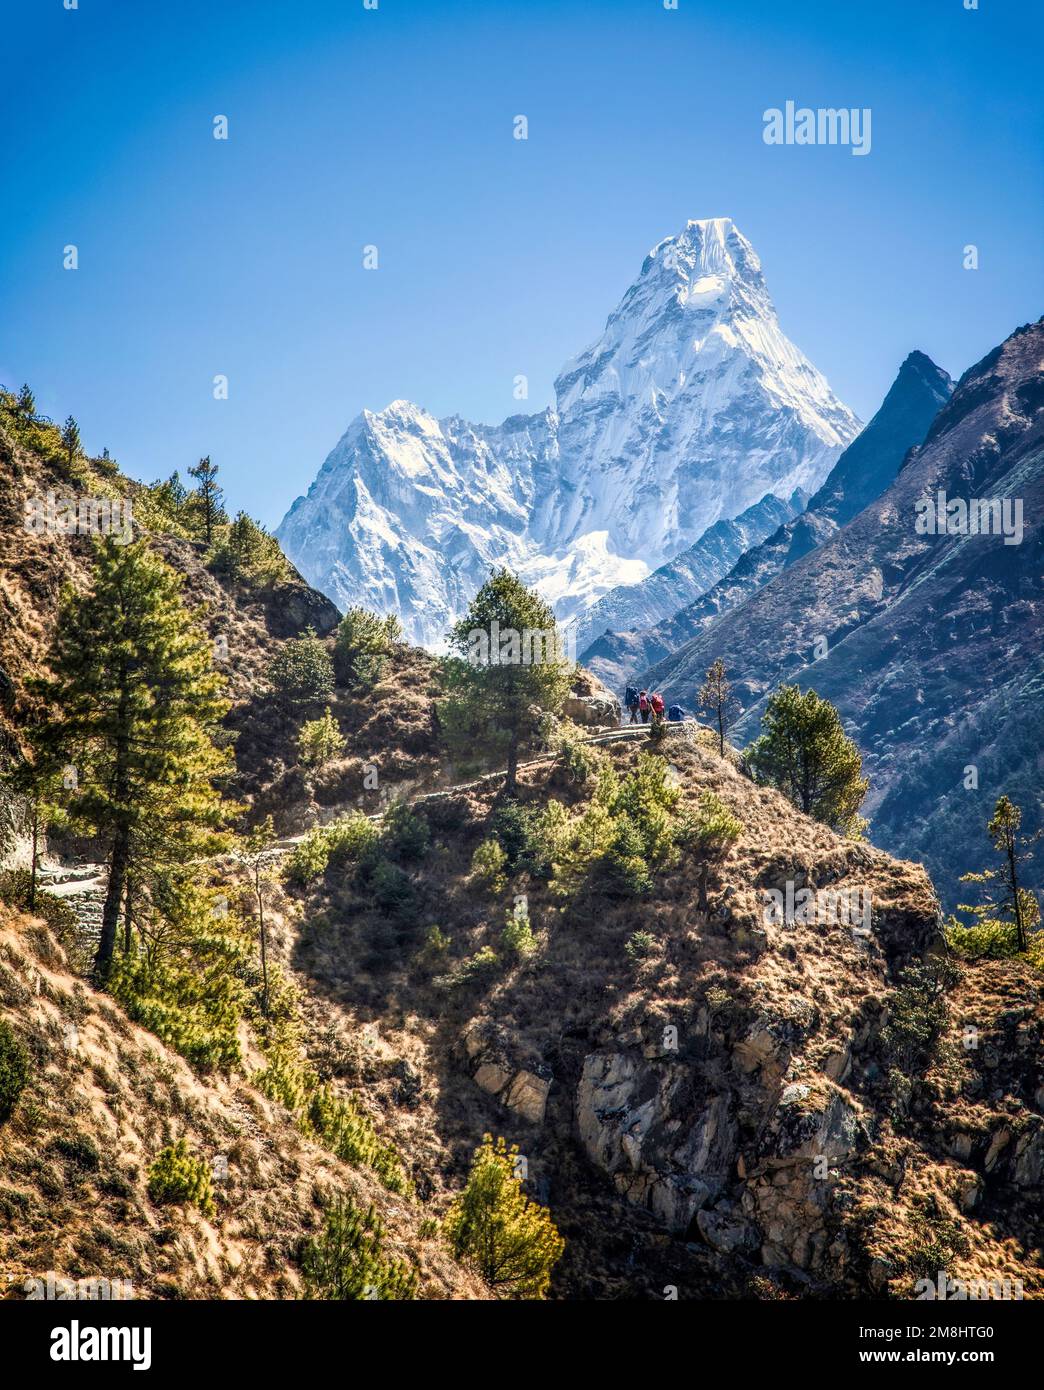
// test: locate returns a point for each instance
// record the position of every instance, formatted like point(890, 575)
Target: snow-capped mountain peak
point(689, 408)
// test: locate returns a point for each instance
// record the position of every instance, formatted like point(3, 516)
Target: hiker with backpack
point(656, 705)
point(676, 714)
point(631, 702)
point(644, 707)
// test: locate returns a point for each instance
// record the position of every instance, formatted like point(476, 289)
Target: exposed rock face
point(591, 703)
point(689, 408)
point(637, 1122)
point(934, 641)
point(864, 470)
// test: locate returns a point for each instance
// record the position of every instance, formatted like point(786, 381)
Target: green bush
point(488, 865)
point(14, 1070)
point(475, 967)
point(349, 1133)
point(248, 553)
point(519, 832)
point(178, 1177)
point(320, 741)
point(714, 826)
point(495, 1229)
point(301, 672)
point(348, 840)
point(639, 945)
point(625, 869)
point(404, 832)
point(576, 761)
point(917, 1019)
point(517, 936)
point(362, 644)
point(347, 1262)
point(436, 940)
point(393, 890)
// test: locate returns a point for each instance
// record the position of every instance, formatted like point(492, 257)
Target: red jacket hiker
point(657, 705)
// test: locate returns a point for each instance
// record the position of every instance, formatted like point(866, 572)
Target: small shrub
point(59, 915)
point(178, 1177)
point(625, 871)
point(301, 672)
point(348, 1132)
point(14, 1070)
point(517, 936)
point(488, 865)
point(248, 553)
point(320, 741)
point(79, 1151)
point(348, 840)
point(393, 890)
point(475, 967)
point(404, 832)
point(576, 761)
point(714, 827)
point(517, 829)
point(639, 945)
point(362, 644)
point(436, 940)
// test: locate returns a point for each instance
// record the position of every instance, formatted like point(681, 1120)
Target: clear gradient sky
point(350, 126)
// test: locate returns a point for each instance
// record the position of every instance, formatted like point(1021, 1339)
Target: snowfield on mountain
point(689, 408)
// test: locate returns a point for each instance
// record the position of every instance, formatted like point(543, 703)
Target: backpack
point(657, 704)
point(675, 713)
point(643, 702)
point(630, 697)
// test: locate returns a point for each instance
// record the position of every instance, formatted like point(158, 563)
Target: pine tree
point(510, 671)
point(133, 706)
point(804, 752)
point(71, 440)
point(320, 741)
point(716, 696)
point(363, 642)
point(1018, 902)
point(27, 404)
point(209, 496)
point(495, 1228)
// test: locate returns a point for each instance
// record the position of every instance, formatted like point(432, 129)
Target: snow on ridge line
point(689, 408)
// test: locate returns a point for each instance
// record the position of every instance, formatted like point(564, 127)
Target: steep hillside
point(864, 470)
point(104, 1099)
point(933, 641)
point(723, 1109)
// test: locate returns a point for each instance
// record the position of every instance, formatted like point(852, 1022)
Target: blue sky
point(393, 127)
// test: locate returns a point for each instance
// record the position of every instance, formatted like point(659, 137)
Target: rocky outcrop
point(590, 703)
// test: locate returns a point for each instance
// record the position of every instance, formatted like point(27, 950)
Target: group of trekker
point(643, 706)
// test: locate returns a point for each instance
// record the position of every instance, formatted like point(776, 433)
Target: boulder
point(527, 1096)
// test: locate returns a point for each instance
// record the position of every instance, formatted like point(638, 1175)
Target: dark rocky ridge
point(862, 473)
point(935, 652)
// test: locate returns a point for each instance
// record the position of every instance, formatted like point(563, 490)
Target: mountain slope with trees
point(928, 644)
